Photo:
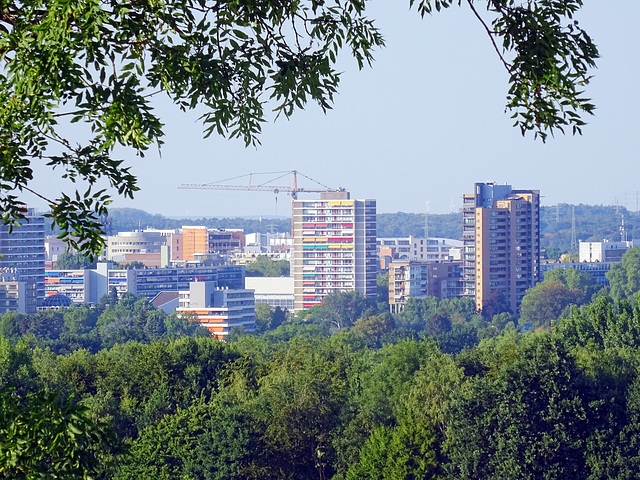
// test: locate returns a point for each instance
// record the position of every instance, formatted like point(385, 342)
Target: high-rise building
point(501, 244)
point(22, 253)
point(334, 247)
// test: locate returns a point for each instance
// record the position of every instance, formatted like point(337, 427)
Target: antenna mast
point(426, 223)
point(574, 243)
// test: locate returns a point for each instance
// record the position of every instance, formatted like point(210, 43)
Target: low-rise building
point(200, 240)
point(268, 243)
point(75, 284)
point(417, 249)
point(602, 251)
point(89, 285)
point(406, 279)
point(144, 246)
point(17, 296)
point(274, 291)
point(218, 309)
point(54, 247)
point(442, 280)
point(597, 270)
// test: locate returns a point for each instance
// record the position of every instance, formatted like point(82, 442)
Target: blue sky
point(422, 125)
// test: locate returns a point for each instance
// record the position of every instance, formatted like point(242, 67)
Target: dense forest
point(342, 391)
point(366, 399)
point(592, 222)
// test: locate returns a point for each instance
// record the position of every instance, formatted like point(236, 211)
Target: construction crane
point(294, 190)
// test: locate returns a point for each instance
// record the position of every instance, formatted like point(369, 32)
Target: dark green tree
point(494, 304)
point(574, 280)
point(266, 267)
point(263, 317)
point(42, 437)
point(624, 277)
point(544, 303)
point(382, 289)
point(525, 418)
point(437, 324)
point(207, 441)
point(373, 329)
point(10, 325)
point(74, 261)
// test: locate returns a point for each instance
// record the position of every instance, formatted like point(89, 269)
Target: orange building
point(195, 240)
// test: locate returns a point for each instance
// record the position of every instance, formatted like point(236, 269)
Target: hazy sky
point(422, 125)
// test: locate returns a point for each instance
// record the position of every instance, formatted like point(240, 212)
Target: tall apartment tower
point(334, 247)
point(22, 254)
point(501, 244)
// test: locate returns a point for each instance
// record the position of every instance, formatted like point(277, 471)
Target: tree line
point(311, 400)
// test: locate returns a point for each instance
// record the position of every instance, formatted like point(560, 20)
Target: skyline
point(422, 125)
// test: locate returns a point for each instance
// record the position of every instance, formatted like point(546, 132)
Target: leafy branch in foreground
point(42, 437)
point(99, 63)
point(548, 57)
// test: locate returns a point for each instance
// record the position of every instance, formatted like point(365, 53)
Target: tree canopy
point(266, 267)
point(99, 64)
point(303, 401)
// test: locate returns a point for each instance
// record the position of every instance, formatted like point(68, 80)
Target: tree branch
point(490, 33)
point(50, 202)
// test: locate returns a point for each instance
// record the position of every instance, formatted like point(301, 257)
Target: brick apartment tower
point(501, 244)
point(334, 247)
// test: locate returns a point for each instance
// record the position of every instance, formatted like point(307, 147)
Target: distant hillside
point(127, 219)
point(593, 223)
point(402, 224)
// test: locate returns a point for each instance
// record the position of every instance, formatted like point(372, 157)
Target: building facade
point(406, 279)
point(89, 285)
point(598, 270)
point(75, 284)
point(198, 241)
point(501, 244)
point(268, 243)
point(16, 296)
point(334, 247)
point(419, 249)
point(602, 251)
point(442, 280)
point(144, 246)
point(218, 309)
point(22, 254)
point(445, 279)
point(274, 291)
